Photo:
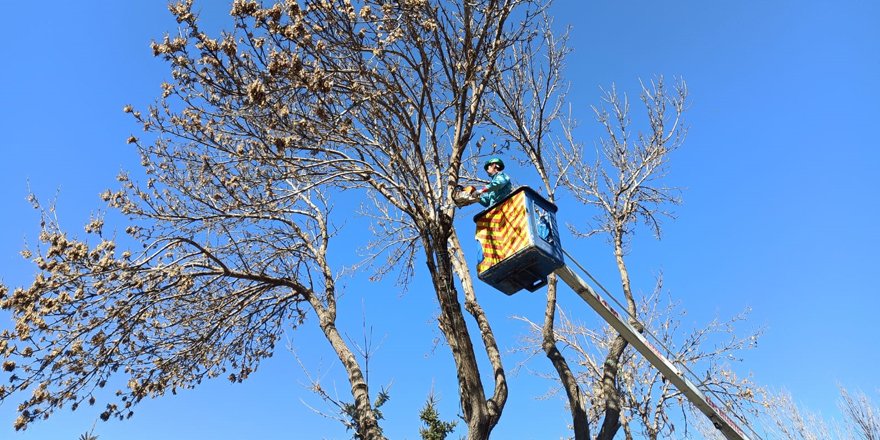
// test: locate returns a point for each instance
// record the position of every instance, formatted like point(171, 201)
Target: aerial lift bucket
point(519, 241)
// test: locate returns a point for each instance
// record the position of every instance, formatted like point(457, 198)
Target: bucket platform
point(520, 242)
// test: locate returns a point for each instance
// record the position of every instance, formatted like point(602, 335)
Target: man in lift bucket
point(499, 187)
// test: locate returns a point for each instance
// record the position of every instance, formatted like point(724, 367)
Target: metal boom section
point(721, 421)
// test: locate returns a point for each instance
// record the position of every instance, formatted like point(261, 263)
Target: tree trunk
point(624, 277)
point(577, 405)
point(368, 425)
point(611, 423)
point(473, 401)
point(495, 404)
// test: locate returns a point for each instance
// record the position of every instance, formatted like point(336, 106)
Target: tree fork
point(611, 423)
point(454, 327)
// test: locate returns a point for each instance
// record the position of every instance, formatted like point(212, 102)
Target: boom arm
point(721, 421)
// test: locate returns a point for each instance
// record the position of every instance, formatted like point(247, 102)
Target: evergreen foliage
point(435, 428)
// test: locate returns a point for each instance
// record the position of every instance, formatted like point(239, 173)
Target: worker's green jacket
point(497, 189)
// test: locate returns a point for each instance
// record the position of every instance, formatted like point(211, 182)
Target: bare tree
point(624, 185)
point(527, 107)
point(781, 417)
point(256, 132)
point(620, 184)
point(652, 403)
point(863, 415)
point(785, 420)
point(651, 406)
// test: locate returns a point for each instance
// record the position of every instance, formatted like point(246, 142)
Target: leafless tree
point(863, 415)
point(780, 417)
point(527, 108)
point(254, 134)
point(785, 420)
point(650, 405)
point(624, 184)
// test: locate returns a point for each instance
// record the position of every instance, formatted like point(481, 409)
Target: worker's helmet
point(494, 160)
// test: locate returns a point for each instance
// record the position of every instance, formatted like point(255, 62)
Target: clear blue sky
point(779, 211)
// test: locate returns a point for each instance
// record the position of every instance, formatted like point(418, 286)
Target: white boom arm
point(721, 421)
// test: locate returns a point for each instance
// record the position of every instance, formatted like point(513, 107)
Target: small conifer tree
point(435, 428)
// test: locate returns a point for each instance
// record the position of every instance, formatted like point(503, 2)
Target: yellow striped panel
point(503, 231)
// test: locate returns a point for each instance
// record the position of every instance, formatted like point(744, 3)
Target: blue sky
point(779, 212)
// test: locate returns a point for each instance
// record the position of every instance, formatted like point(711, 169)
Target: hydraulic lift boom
point(721, 421)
